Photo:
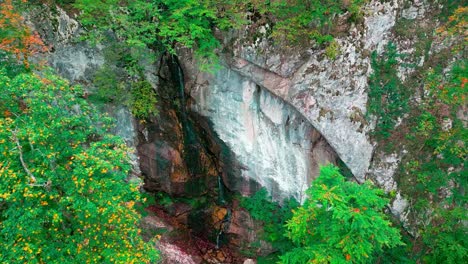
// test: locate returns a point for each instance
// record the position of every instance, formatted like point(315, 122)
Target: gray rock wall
point(275, 145)
point(281, 112)
point(330, 95)
point(77, 62)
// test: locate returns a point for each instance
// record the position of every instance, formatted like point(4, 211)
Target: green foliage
point(108, 86)
point(298, 20)
point(435, 175)
point(402, 254)
point(262, 208)
point(449, 7)
point(448, 88)
point(155, 24)
point(112, 85)
point(147, 199)
point(446, 237)
point(445, 146)
point(63, 196)
point(11, 65)
point(340, 222)
point(332, 50)
point(294, 20)
point(163, 25)
point(143, 100)
point(188, 22)
point(388, 99)
point(164, 199)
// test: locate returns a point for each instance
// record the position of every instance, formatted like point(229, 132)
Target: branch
point(25, 167)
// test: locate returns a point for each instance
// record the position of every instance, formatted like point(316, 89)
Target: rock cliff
point(269, 116)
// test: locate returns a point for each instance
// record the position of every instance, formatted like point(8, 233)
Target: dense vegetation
point(63, 190)
point(388, 98)
point(63, 195)
point(340, 221)
point(424, 115)
point(273, 218)
point(165, 24)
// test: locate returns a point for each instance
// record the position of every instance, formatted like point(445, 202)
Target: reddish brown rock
point(172, 254)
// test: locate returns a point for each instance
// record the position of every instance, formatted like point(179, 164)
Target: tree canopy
point(340, 222)
point(63, 195)
point(163, 24)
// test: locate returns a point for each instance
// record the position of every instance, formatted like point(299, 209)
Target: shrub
point(273, 216)
point(388, 98)
point(63, 195)
point(340, 221)
point(333, 50)
point(143, 100)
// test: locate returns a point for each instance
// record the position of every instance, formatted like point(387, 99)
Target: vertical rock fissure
point(271, 143)
point(190, 138)
point(194, 143)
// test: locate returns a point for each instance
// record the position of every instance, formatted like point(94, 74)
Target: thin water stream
point(193, 146)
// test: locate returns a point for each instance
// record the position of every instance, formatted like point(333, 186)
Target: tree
point(340, 222)
point(15, 36)
point(63, 195)
point(159, 25)
point(167, 24)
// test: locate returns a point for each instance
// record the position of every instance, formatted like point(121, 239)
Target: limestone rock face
point(265, 102)
point(277, 114)
point(274, 145)
point(77, 61)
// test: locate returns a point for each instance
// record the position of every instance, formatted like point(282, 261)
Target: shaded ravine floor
point(178, 244)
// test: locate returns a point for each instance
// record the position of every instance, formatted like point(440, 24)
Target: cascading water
point(193, 145)
point(224, 225)
point(183, 106)
point(191, 141)
point(226, 220)
point(221, 199)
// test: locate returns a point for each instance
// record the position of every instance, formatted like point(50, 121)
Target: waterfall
point(194, 144)
point(223, 227)
point(181, 84)
point(226, 219)
point(221, 199)
point(191, 141)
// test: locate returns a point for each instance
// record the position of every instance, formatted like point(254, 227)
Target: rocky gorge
point(268, 117)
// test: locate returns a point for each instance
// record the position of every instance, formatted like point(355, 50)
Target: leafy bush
point(108, 86)
point(332, 50)
point(63, 195)
point(15, 36)
point(340, 221)
point(388, 98)
point(262, 208)
point(11, 65)
point(143, 100)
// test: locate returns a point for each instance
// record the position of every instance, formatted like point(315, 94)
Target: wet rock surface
point(272, 143)
point(179, 244)
point(268, 117)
